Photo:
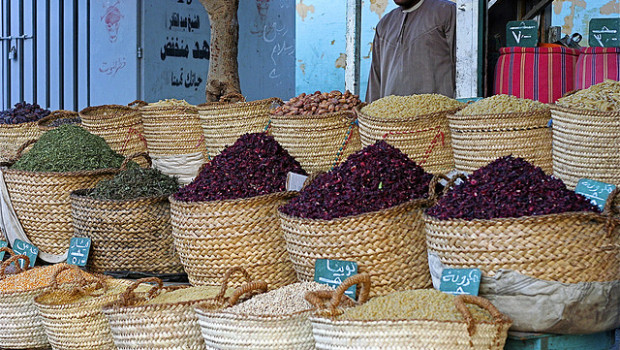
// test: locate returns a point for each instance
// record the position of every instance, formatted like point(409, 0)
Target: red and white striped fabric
point(595, 64)
point(538, 73)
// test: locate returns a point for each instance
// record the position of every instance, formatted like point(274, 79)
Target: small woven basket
point(224, 122)
point(41, 202)
point(72, 317)
point(120, 126)
point(318, 142)
point(331, 333)
point(19, 318)
point(569, 247)
point(127, 235)
point(426, 139)
point(12, 136)
point(172, 130)
point(61, 115)
point(478, 140)
point(389, 243)
point(138, 325)
point(211, 236)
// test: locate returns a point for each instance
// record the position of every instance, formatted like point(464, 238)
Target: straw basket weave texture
point(174, 325)
point(72, 317)
point(211, 236)
point(426, 139)
point(70, 117)
point(330, 333)
point(478, 140)
point(127, 235)
point(223, 123)
point(120, 127)
point(41, 202)
point(568, 247)
point(19, 318)
point(12, 136)
point(318, 142)
point(172, 130)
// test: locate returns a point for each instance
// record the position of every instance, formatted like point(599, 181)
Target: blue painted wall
point(574, 15)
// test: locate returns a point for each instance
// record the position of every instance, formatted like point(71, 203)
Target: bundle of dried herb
point(136, 183)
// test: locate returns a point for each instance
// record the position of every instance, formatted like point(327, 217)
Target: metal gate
point(44, 55)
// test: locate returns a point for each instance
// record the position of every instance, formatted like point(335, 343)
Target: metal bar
point(61, 51)
point(21, 50)
point(34, 51)
point(353, 39)
point(75, 55)
point(88, 52)
point(47, 55)
point(8, 65)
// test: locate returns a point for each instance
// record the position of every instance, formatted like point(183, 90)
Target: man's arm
point(374, 77)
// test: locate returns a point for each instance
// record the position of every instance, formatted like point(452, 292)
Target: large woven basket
point(223, 123)
point(172, 130)
point(389, 244)
point(319, 142)
point(61, 115)
point(127, 235)
point(330, 333)
point(568, 247)
point(72, 317)
point(19, 318)
point(41, 202)
point(478, 140)
point(211, 236)
point(137, 325)
point(426, 138)
point(120, 126)
point(12, 136)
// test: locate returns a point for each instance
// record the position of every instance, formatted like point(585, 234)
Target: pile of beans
point(499, 104)
point(410, 106)
point(420, 304)
point(23, 113)
point(604, 97)
point(508, 187)
point(377, 177)
point(254, 165)
point(35, 278)
point(319, 103)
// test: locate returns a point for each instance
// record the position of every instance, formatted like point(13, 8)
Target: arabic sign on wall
point(575, 15)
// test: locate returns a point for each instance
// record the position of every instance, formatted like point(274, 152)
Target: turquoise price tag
point(334, 272)
point(604, 32)
point(460, 281)
point(522, 33)
point(596, 191)
point(21, 247)
point(79, 248)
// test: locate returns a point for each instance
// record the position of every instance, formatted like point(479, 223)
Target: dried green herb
point(136, 183)
point(69, 148)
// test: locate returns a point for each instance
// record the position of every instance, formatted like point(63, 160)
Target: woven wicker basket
point(318, 142)
point(478, 140)
point(72, 317)
point(389, 243)
point(211, 236)
point(136, 325)
point(120, 126)
point(45, 124)
point(568, 247)
point(19, 318)
point(332, 333)
point(12, 136)
point(127, 235)
point(41, 202)
point(172, 130)
point(223, 123)
point(426, 138)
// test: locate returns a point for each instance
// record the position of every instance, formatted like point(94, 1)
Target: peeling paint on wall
point(575, 15)
point(302, 67)
point(341, 61)
point(303, 9)
point(610, 8)
point(378, 7)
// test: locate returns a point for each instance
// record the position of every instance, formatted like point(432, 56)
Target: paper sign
point(79, 247)
point(294, 181)
point(597, 192)
point(2, 245)
point(21, 247)
point(522, 33)
point(604, 32)
point(334, 272)
point(460, 281)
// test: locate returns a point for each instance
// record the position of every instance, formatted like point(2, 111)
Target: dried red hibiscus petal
point(508, 187)
point(377, 177)
point(254, 165)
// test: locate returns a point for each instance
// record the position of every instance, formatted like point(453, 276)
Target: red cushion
point(595, 64)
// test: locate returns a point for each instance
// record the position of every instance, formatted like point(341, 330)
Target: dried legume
point(410, 106)
point(604, 97)
point(319, 103)
point(502, 104)
point(188, 294)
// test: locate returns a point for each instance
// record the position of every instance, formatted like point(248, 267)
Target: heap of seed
point(38, 277)
point(410, 106)
point(188, 294)
point(604, 97)
point(499, 104)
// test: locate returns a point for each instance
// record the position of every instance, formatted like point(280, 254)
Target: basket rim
point(79, 304)
point(20, 125)
point(118, 306)
point(581, 111)
point(150, 108)
point(210, 106)
point(515, 115)
point(225, 313)
point(102, 171)
point(358, 111)
point(283, 194)
point(428, 219)
point(350, 114)
point(334, 321)
point(421, 202)
point(81, 194)
point(88, 110)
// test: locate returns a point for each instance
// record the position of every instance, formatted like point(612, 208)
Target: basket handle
point(463, 299)
point(14, 259)
point(137, 103)
point(363, 279)
point(129, 295)
point(7, 250)
point(81, 280)
point(319, 298)
point(134, 156)
point(18, 153)
point(432, 186)
point(231, 96)
point(250, 287)
point(608, 212)
point(229, 273)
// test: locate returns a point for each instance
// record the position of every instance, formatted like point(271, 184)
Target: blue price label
point(79, 248)
point(334, 272)
point(460, 281)
point(596, 191)
point(21, 247)
point(2, 245)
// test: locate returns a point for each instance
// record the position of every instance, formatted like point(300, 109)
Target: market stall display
point(498, 126)
point(127, 219)
point(318, 129)
point(18, 125)
point(227, 215)
point(417, 125)
point(419, 319)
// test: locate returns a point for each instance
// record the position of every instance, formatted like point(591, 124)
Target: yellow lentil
point(421, 304)
point(188, 294)
point(35, 278)
point(502, 104)
point(410, 106)
point(603, 97)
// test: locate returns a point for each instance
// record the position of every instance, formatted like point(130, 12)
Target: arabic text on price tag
point(21, 247)
point(596, 191)
point(79, 247)
point(460, 281)
point(334, 272)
